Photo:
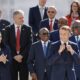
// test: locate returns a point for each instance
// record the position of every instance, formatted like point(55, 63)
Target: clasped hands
point(18, 58)
point(3, 58)
point(68, 47)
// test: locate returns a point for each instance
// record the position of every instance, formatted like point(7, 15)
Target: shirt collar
point(41, 7)
point(17, 26)
point(52, 19)
point(64, 42)
point(45, 42)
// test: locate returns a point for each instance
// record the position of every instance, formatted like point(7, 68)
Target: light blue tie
point(44, 48)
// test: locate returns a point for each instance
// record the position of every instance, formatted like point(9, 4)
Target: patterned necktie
point(18, 40)
point(44, 48)
point(51, 27)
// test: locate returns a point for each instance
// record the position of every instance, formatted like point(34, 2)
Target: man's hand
point(69, 48)
point(62, 47)
point(3, 58)
point(34, 76)
point(18, 58)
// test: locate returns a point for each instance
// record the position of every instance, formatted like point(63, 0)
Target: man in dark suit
point(36, 14)
point(62, 55)
point(37, 61)
point(51, 23)
point(18, 37)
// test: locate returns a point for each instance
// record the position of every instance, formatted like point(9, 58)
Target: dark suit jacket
point(35, 18)
point(37, 60)
point(54, 36)
point(3, 24)
point(62, 63)
point(45, 23)
point(25, 40)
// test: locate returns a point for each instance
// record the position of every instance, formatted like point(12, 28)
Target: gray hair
point(18, 12)
point(43, 29)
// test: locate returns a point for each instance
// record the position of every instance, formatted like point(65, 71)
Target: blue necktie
point(44, 48)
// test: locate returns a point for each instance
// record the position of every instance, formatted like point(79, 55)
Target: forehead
point(42, 0)
point(62, 31)
point(44, 31)
point(18, 15)
point(74, 3)
point(51, 9)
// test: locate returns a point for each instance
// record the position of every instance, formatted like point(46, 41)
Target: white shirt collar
point(77, 38)
point(45, 42)
point(52, 19)
point(17, 26)
point(41, 7)
point(64, 42)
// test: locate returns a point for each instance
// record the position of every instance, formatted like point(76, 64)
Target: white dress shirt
point(42, 10)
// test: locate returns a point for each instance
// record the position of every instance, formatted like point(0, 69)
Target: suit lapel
point(55, 25)
point(48, 24)
point(38, 12)
point(48, 48)
point(41, 49)
point(22, 34)
point(45, 13)
point(13, 34)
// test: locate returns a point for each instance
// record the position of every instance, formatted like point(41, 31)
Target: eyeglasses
point(51, 12)
point(74, 6)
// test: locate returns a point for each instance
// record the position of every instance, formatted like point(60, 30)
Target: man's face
point(51, 13)
point(42, 2)
point(44, 36)
point(19, 19)
point(64, 35)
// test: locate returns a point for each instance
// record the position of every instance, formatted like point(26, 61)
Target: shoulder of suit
point(44, 20)
point(35, 43)
point(72, 43)
point(7, 27)
point(54, 43)
point(54, 31)
point(26, 26)
point(34, 7)
point(3, 20)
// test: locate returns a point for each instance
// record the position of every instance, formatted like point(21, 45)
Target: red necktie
point(51, 27)
point(18, 40)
